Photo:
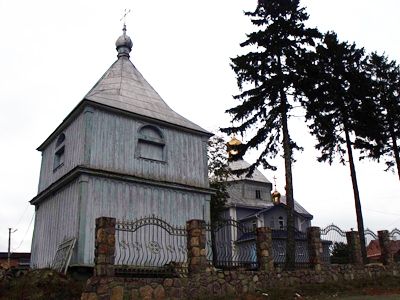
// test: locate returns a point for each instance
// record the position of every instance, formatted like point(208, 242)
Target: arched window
point(59, 151)
point(151, 143)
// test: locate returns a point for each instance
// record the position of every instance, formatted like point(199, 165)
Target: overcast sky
point(53, 52)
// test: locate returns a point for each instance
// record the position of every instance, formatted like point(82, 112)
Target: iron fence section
point(337, 251)
point(395, 234)
point(150, 246)
point(279, 239)
point(231, 245)
point(369, 236)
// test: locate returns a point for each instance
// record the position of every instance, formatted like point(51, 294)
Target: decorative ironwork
point(369, 236)
point(231, 245)
point(150, 246)
point(395, 234)
point(279, 238)
point(63, 255)
point(335, 235)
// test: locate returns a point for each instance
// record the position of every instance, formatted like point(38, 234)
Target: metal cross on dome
point(274, 178)
point(126, 12)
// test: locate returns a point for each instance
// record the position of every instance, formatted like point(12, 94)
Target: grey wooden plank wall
point(125, 200)
point(113, 148)
point(56, 219)
point(73, 155)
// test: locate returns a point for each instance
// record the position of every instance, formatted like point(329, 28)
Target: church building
point(122, 152)
point(253, 203)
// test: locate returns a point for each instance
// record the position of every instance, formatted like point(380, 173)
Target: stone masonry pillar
point(314, 247)
point(384, 243)
point(104, 247)
point(196, 246)
point(264, 249)
point(353, 242)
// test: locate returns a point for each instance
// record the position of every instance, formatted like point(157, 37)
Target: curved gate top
point(150, 245)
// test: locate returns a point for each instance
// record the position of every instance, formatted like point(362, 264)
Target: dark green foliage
point(337, 86)
point(378, 128)
point(267, 78)
point(340, 253)
point(218, 172)
point(267, 75)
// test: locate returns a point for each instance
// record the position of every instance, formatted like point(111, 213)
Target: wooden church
point(121, 152)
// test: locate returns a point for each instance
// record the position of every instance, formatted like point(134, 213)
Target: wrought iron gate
point(150, 246)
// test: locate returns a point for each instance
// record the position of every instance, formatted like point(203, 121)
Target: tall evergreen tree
point(336, 87)
point(379, 123)
point(267, 77)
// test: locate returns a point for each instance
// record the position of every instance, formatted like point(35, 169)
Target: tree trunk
point(357, 202)
point(395, 150)
point(287, 154)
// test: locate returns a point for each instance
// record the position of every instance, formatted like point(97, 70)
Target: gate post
point(196, 246)
point(104, 247)
point(384, 244)
point(314, 247)
point(264, 249)
point(353, 242)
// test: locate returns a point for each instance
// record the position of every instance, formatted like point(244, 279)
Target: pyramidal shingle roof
point(124, 87)
point(242, 164)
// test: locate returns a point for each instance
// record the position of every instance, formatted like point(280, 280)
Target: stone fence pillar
point(314, 247)
point(196, 245)
point(384, 243)
point(104, 247)
point(264, 249)
point(353, 242)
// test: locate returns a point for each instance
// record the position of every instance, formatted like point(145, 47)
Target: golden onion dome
point(232, 147)
point(234, 142)
point(276, 197)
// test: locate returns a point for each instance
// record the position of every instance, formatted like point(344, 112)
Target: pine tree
point(336, 87)
point(379, 122)
point(267, 79)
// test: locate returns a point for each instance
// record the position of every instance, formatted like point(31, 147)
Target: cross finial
point(126, 12)
point(274, 181)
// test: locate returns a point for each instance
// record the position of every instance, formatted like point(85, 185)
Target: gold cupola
point(233, 147)
point(276, 196)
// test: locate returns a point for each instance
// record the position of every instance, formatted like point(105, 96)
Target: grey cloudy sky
point(53, 52)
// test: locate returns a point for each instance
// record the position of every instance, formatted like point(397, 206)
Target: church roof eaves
point(80, 170)
point(297, 210)
point(80, 106)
